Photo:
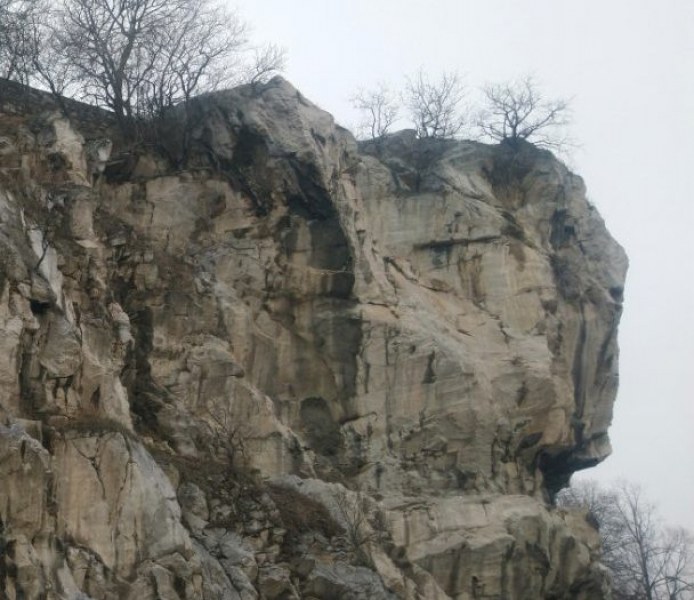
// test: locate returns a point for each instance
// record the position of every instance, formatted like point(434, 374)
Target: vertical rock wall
point(296, 367)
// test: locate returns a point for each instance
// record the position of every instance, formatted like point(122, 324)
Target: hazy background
point(628, 67)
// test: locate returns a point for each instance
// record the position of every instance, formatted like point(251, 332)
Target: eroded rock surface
point(293, 366)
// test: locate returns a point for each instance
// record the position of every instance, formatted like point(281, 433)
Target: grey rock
point(433, 323)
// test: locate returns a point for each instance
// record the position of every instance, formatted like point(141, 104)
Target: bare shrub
point(517, 110)
point(648, 561)
point(379, 109)
point(435, 105)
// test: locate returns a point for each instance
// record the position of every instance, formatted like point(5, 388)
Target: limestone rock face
point(282, 364)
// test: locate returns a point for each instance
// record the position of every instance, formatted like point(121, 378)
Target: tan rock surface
point(195, 363)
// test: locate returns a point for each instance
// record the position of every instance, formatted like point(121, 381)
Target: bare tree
point(647, 561)
point(517, 111)
point(266, 62)
point(19, 44)
point(379, 109)
point(197, 51)
point(229, 436)
point(435, 105)
point(364, 524)
point(139, 57)
point(51, 68)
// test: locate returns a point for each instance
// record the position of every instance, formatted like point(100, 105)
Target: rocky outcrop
point(293, 366)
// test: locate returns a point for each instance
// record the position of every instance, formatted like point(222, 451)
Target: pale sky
point(628, 66)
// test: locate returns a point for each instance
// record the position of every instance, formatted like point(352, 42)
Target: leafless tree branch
point(266, 62)
point(379, 109)
point(435, 105)
point(517, 111)
point(140, 57)
point(19, 44)
point(647, 561)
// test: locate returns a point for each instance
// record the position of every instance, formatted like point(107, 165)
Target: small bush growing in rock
point(301, 513)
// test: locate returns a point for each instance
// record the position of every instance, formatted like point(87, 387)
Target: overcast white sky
point(629, 67)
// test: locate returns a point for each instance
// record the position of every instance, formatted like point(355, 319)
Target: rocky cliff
point(285, 365)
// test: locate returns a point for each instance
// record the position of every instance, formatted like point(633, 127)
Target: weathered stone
point(345, 581)
point(61, 356)
point(193, 502)
point(432, 322)
point(275, 582)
